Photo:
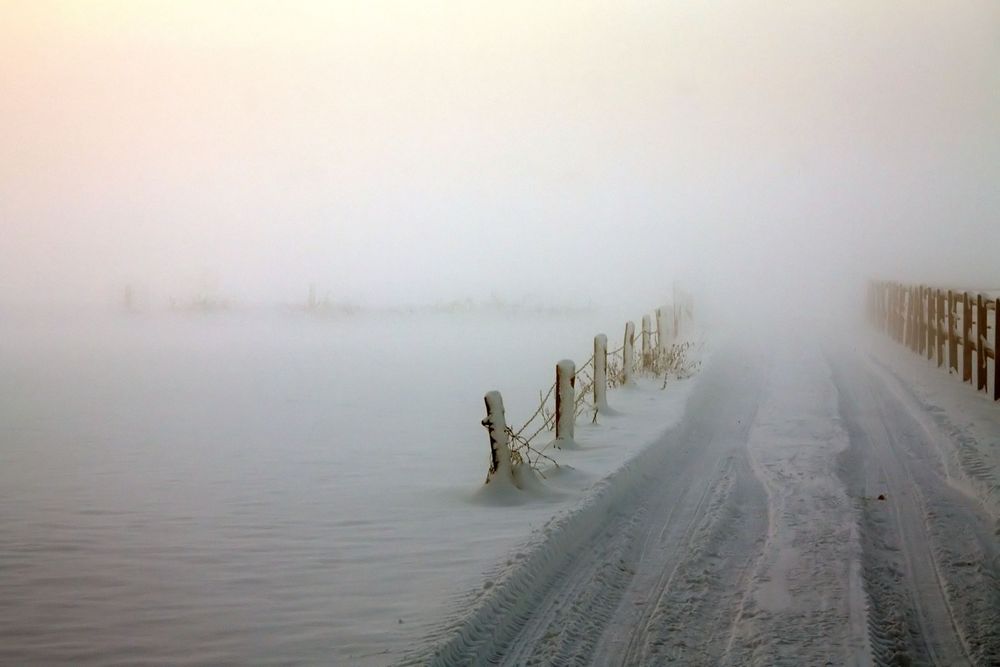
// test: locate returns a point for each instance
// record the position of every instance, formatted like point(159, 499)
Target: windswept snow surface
point(243, 487)
point(811, 507)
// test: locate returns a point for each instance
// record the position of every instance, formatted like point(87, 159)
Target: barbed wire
point(662, 361)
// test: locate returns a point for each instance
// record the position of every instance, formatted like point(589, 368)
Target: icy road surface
point(810, 508)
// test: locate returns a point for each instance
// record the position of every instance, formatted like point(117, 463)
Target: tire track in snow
point(929, 552)
point(633, 548)
point(804, 601)
point(695, 608)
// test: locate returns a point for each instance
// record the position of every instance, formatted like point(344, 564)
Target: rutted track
point(752, 533)
point(929, 553)
point(645, 543)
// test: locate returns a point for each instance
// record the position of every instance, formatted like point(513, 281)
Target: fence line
point(579, 389)
point(935, 322)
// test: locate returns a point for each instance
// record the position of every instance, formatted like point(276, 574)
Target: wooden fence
point(510, 448)
point(937, 322)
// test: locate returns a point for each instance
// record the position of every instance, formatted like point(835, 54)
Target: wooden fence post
point(922, 320)
point(601, 372)
point(940, 317)
point(628, 353)
point(907, 315)
point(981, 343)
point(496, 424)
point(966, 338)
point(996, 350)
point(565, 400)
point(932, 325)
point(886, 310)
point(952, 342)
point(661, 332)
point(921, 331)
point(647, 350)
point(898, 315)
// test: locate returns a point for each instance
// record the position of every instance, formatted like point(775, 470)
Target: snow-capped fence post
point(565, 400)
point(981, 343)
point(647, 351)
point(601, 372)
point(628, 353)
point(966, 330)
point(496, 424)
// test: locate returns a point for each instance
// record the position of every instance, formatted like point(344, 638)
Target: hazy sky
point(418, 151)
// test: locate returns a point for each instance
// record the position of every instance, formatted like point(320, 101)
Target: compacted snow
point(297, 491)
point(809, 508)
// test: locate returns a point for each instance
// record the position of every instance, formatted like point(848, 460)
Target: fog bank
point(559, 152)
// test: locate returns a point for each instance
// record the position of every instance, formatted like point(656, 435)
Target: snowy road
point(753, 533)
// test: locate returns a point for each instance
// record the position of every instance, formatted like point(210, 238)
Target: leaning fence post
point(496, 424)
point(628, 353)
point(647, 351)
point(601, 372)
point(565, 400)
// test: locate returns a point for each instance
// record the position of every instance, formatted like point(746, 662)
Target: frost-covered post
point(496, 424)
point(565, 400)
point(601, 372)
point(628, 353)
point(647, 350)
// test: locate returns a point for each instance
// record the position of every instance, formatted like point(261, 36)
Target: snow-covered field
point(228, 488)
point(278, 490)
